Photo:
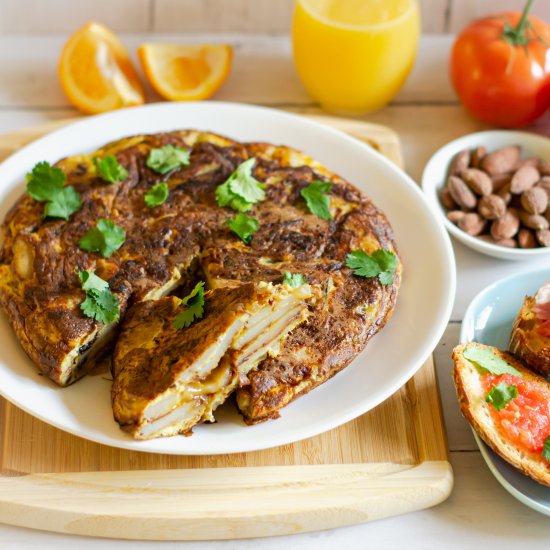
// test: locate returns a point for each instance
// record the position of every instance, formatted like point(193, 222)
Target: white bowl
point(435, 175)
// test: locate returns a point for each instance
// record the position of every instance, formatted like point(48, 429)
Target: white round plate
point(394, 355)
point(435, 175)
point(489, 320)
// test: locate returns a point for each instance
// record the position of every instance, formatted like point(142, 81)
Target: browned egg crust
point(186, 239)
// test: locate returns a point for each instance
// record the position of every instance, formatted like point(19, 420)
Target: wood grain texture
point(54, 16)
point(463, 12)
point(389, 461)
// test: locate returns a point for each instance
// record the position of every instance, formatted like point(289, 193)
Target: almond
point(506, 226)
point(544, 183)
point(526, 238)
point(479, 182)
point(472, 223)
point(504, 193)
point(501, 161)
point(491, 207)
point(461, 193)
point(509, 243)
point(524, 179)
point(543, 237)
point(446, 199)
point(460, 162)
point(544, 168)
point(535, 200)
point(477, 156)
point(500, 181)
point(530, 161)
point(533, 221)
point(455, 215)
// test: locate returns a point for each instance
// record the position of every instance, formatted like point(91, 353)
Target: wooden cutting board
point(389, 461)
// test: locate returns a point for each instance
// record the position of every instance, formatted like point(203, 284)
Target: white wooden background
point(198, 16)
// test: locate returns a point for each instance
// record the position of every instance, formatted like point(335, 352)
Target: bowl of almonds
point(493, 191)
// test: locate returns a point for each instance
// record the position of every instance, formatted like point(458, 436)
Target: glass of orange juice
point(353, 55)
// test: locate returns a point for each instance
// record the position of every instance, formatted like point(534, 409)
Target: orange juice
point(353, 55)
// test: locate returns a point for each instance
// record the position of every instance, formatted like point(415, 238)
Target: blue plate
point(489, 320)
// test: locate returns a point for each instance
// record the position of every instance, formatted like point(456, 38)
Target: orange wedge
point(185, 73)
point(96, 73)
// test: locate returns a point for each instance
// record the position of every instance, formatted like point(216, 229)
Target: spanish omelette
point(171, 245)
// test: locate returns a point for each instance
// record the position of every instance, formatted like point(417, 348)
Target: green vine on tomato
point(499, 68)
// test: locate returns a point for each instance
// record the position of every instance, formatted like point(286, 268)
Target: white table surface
point(426, 115)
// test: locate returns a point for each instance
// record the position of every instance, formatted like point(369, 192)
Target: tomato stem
point(517, 36)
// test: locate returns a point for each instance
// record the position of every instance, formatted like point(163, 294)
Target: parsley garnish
point(194, 307)
point(167, 158)
point(486, 359)
point(110, 170)
point(46, 183)
point(381, 263)
point(105, 237)
point(317, 200)
point(546, 449)
point(501, 394)
point(156, 195)
point(294, 280)
point(244, 226)
point(241, 190)
point(100, 303)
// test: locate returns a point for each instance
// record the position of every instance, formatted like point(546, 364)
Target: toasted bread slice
point(471, 398)
point(527, 343)
point(167, 379)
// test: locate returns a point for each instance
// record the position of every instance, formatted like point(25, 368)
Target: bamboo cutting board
point(389, 461)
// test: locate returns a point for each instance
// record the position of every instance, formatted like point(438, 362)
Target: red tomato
point(500, 68)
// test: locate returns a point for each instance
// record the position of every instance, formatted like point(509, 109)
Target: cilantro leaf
point(294, 280)
point(241, 190)
point(194, 307)
point(546, 449)
point(90, 281)
point(156, 195)
point(244, 226)
point(381, 263)
point(486, 359)
point(100, 303)
point(64, 202)
point(501, 394)
point(317, 200)
point(167, 158)
point(110, 170)
point(46, 183)
point(105, 237)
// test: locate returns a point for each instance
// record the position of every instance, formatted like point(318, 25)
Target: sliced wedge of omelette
point(161, 193)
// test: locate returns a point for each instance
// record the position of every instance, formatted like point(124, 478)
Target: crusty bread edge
point(476, 410)
point(524, 339)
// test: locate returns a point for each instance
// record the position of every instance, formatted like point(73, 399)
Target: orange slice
point(96, 73)
point(184, 73)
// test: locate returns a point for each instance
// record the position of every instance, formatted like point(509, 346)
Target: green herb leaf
point(157, 195)
point(546, 449)
point(110, 170)
point(100, 303)
point(381, 263)
point(317, 200)
point(294, 280)
point(486, 359)
point(244, 226)
point(105, 237)
point(167, 158)
point(501, 394)
point(194, 307)
point(241, 190)
point(46, 183)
